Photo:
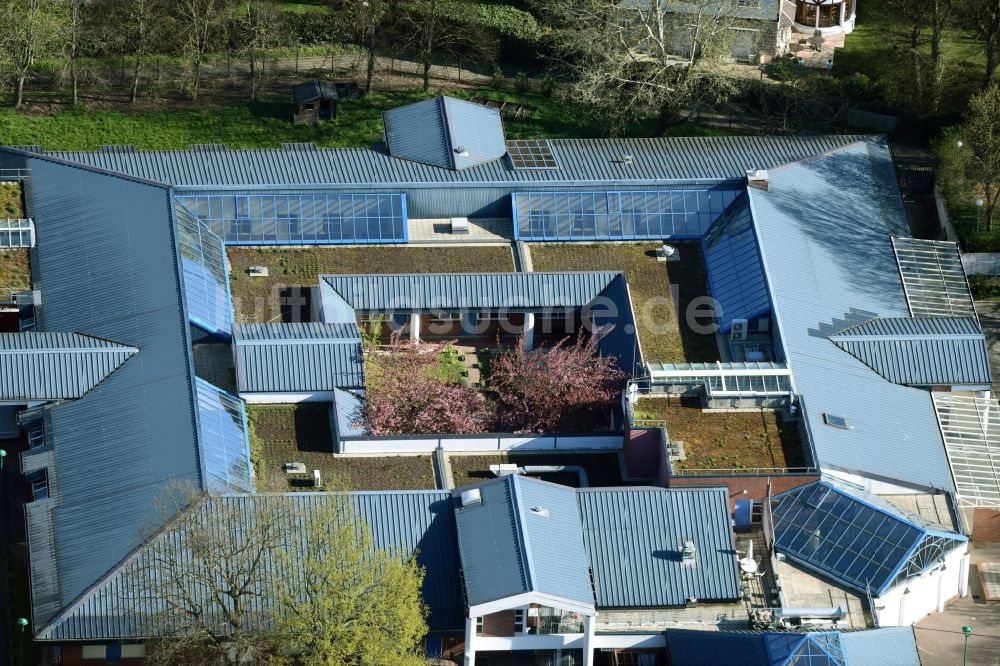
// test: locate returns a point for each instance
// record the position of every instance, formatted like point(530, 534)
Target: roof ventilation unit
point(627, 160)
point(757, 178)
point(540, 511)
point(471, 497)
point(738, 330)
point(688, 552)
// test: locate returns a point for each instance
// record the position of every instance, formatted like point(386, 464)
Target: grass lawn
point(602, 468)
point(267, 122)
point(725, 440)
point(15, 269)
point(879, 47)
point(259, 299)
point(654, 302)
point(301, 433)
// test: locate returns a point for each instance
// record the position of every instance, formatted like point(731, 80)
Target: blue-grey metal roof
point(888, 646)
point(920, 351)
point(311, 91)
point(854, 537)
point(732, 261)
point(55, 366)
point(445, 132)
point(467, 291)
point(634, 539)
point(523, 537)
point(403, 521)
point(660, 160)
point(824, 228)
point(107, 260)
point(297, 357)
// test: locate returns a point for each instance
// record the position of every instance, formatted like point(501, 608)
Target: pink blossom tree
point(404, 395)
point(565, 387)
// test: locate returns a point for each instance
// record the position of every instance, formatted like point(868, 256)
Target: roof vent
point(471, 497)
point(757, 178)
point(627, 160)
point(540, 511)
point(461, 152)
point(688, 552)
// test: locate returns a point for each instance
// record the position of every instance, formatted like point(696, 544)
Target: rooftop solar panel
point(531, 154)
point(971, 429)
point(933, 278)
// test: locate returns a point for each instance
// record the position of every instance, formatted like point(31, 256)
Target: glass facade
point(206, 283)
point(856, 542)
point(304, 218)
point(626, 215)
point(225, 447)
point(15, 233)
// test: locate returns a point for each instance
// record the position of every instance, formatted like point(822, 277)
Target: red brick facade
point(986, 525)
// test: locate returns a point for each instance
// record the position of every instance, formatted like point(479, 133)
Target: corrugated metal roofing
point(634, 538)
point(830, 266)
point(911, 355)
point(313, 90)
point(108, 262)
point(732, 260)
point(467, 291)
point(55, 366)
point(297, 357)
point(661, 160)
point(888, 646)
point(405, 521)
point(854, 537)
point(524, 536)
point(445, 132)
point(933, 278)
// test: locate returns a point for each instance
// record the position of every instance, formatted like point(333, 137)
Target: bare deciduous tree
point(30, 29)
point(201, 24)
point(141, 26)
point(257, 28)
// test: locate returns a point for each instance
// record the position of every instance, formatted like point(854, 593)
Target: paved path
point(939, 635)
point(989, 318)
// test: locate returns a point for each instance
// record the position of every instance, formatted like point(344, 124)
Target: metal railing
point(749, 471)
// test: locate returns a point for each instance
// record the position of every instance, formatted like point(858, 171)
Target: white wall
point(899, 608)
point(286, 398)
point(472, 443)
point(568, 641)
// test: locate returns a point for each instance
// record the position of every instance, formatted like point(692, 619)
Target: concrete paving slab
point(989, 578)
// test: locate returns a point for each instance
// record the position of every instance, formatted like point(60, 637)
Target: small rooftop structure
point(315, 100)
point(856, 538)
point(445, 132)
point(890, 646)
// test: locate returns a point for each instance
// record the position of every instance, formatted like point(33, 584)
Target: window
point(829, 15)
point(805, 13)
point(479, 626)
point(39, 481)
point(519, 620)
point(836, 421)
point(531, 154)
point(36, 435)
point(93, 652)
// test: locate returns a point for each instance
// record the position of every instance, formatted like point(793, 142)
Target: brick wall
point(755, 486)
point(499, 624)
point(986, 525)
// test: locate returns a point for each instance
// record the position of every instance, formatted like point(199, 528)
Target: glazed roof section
point(654, 161)
point(824, 228)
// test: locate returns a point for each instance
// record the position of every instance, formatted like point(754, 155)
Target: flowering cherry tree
point(404, 395)
point(566, 387)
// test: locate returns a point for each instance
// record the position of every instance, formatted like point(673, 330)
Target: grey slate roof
point(445, 132)
point(108, 263)
point(830, 267)
point(407, 521)
point(634, 537)
point(661, 160)
point(311, 91)
point(55, 366)
point(466, 291)
point(508, 548)
point(920, 351)
point(297, 357)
